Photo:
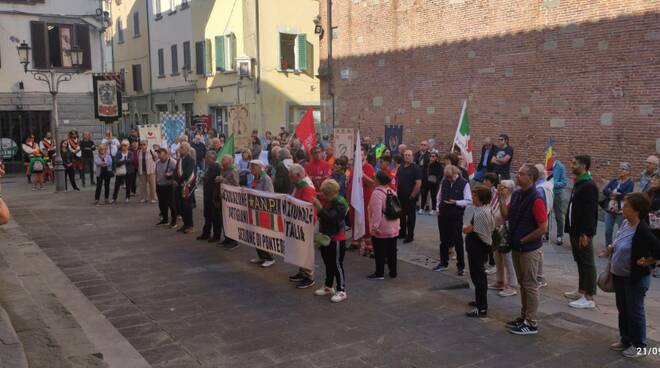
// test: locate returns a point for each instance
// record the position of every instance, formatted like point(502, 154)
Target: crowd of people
point(507, 223)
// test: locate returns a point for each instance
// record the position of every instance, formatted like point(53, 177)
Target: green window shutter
point(302, 51)
point(220, 53)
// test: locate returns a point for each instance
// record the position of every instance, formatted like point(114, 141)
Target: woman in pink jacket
point(383, 230)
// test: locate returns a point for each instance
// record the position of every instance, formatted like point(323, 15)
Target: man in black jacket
point(422, 160)
point(184, 176)
point(485, 165)
point(211, 212)
point(581, 223)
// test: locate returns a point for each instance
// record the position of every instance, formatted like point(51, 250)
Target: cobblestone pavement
point(184, 303)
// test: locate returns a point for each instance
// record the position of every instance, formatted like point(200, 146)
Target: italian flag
point(266, 220)
point(463, 140)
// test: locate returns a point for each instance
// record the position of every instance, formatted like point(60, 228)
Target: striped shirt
point(483, 224)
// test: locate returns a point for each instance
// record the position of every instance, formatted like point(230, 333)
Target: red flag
point(305, 130)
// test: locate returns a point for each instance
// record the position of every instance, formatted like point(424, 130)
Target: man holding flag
point(463, 141)
point(557, 173)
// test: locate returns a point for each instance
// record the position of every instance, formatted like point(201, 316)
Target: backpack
point(393, 208)
point(37, 165)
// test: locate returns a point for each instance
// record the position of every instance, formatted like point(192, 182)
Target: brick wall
point(584, 72)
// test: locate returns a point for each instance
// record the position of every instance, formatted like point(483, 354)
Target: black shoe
point(374, 276)
point(226, 241)
point(515, 323)
point(408, 240)
point(393, 275)
point(231, 245)
point(524, 329)
point(460, 272)
point(76, 189)
point(476, 313)
point(214, 239)
point(472, 304)
point(202, 237)
point(297, 277)
point(401, 236)
point(161, 223)
point(305, 283)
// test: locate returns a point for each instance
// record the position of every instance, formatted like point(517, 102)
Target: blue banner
point(173, 125)
point(393, 137)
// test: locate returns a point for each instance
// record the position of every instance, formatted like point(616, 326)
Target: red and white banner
point(305, 130)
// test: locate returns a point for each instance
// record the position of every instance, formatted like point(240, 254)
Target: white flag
point(357, 197)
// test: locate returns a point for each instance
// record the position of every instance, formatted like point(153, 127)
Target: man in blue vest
point(454, 195)
point(528, 222)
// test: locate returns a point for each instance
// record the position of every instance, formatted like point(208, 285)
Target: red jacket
point(318, 171)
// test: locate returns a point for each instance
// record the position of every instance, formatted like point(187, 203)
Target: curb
point(11, 348)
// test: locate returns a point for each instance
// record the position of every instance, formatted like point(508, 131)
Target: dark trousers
point(408, 218)
point(184, 207)
point(119, 181)
point(71, 174)
point(586, 264)
point(165, 204)
point(477, 255)
point(630, 304)
point(131, 182)
point(451, 235)
point(385, 249)
point(102, 180)
point(333, 258)
point(432, 189)
point(87, 165)
point(211, 219)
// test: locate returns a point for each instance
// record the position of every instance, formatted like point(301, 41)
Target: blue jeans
point(610, 220)
point(630, 304)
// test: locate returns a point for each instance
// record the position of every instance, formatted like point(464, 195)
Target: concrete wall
point(583, 72)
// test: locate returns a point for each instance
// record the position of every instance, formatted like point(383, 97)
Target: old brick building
point(584, 72)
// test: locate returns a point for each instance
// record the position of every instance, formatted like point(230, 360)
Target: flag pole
point(458, 128)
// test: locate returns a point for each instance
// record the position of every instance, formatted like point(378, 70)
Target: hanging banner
point(151, 133)
point(393, 137)
point(273, 222)
point(203, 121)
point(344, 142)
point(107, 97)
point(173, 125)
point(240, 124)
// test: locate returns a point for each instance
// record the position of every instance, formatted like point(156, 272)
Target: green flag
point(227, 149)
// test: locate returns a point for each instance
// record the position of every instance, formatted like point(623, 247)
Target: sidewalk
point(184, 303)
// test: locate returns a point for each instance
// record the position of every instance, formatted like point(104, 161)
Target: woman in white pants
point(147, 172)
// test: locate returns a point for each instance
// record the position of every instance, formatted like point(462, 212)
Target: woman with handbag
point(332, 239)
point(478, 242)
point(634, 250)
point(123, 163)
point(67, 160)
point(103, 172)
point(506, 281)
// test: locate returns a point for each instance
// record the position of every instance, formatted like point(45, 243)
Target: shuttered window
point(136, 24)
point(161, 63)
point(39, 45)
point(186, 56)
point(137, 77)
point(175, 60)
point(220, 53)
point(294, 52)
point(200, 58)
point(302, 52)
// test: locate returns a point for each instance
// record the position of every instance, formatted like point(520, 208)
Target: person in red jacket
point(317, 168)
point(304, 278)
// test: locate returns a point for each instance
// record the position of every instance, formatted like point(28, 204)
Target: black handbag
point(501, 239)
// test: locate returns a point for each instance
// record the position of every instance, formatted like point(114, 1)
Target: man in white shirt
point(111, 142)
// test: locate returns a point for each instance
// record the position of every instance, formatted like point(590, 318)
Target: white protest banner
point(344, 139)
point(273, 222)
point(150, 132)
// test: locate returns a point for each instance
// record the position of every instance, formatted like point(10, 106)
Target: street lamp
point(53, 78)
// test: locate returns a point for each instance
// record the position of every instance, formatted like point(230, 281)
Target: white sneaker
point(433, 213)
point(268, 263)
point(491, 270)
point(324, 291)
point(582, 303)
point(572, 295)
point(421, 212)
point(633, 352)
point(339, 297)
point(507, 292)
point(256, 261)
point(542, 284)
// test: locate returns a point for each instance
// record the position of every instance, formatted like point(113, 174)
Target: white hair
point(297, 170)
point(542, 172)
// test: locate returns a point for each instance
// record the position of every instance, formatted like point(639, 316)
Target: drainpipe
point(150, 99)
point(331, 90)
point(256, 3)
